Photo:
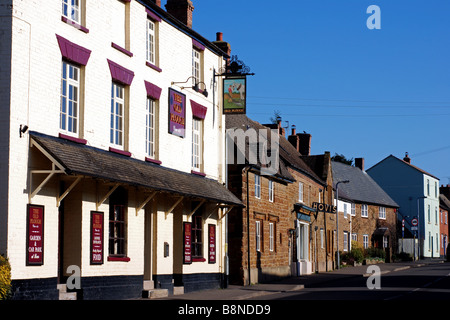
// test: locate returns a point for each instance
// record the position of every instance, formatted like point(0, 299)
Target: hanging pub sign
point(35, 235)
point(96, 237)
point(234, 95)
point(177, 113)
point(212, 243)
point(187, 243)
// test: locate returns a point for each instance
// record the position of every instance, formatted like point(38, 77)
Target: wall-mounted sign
point(96, 237)
point(35, 235)
point(187, 243)
point(234, 95)
point(212, 243)
point(323, 207)
point(177, 113)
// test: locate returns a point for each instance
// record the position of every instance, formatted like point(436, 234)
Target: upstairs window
point(150, 42)
point(257, 186)
point(150, 132)
point(71, 10)
point(117, 114)
point(382, 213)
point(196, 66)
point(70, 96)
point(197, 140)
point(364, 211)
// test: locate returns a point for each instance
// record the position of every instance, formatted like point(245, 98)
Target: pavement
point(235, 292)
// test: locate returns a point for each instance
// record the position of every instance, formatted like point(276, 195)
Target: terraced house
point(112, 147)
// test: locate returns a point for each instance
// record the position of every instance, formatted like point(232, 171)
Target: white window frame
point(300, 191)
point(257, 186)
point(345, 241)
point(365, 241)
point(258, 235)
point(353, 210)
point(117, 123)
point(151, 41)
point(429, 214)
point(345, 210)
point(271, 190)
point(436, 216)
point(71, 10)
point(197, 140)
point(196, 66)
point(382, 213)
point(271, 235)
point(70, 98)
point(385, 242)
point(354, 236)
point(364, 211)
point(322, 238)
point(150, 128)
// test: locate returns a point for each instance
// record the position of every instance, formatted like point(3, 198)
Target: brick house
point(274, 230)
point(444, 209)
point(370, 214)
point(110, 165)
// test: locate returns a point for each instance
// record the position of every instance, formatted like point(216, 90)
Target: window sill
point(198, 259)
point(73, 139)
point(124, 153)
point(198, 173)
point(123, 50)
point(152, 160)
point(123, 259)
point(150, 65)
point(74, 24)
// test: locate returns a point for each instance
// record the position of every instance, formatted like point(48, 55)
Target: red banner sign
point(212, 243)
point(35, 235)
point(187, 243)
point(96, 237)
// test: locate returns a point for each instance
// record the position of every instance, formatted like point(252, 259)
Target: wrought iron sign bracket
point(234, 68)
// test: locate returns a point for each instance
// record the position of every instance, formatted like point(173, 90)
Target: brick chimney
point(224, 46)
point(157, 2)
point(181, 10)
point(407, 158)
point(359, 163)
point(294, 139)
point(304, 144)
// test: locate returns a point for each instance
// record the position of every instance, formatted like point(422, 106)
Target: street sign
point(415, 222)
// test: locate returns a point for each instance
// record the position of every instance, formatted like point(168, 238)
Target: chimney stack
point(359, 163)
point(224, 46)
point(294, 139)
point(304, 143)
point(407, 158)
point(181, 10)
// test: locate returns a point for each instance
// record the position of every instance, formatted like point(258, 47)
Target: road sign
point(415, 222)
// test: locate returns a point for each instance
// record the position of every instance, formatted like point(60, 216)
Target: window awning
point(78, 159)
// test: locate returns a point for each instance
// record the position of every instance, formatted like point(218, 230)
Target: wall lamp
point(23, 129)
point(195, 87)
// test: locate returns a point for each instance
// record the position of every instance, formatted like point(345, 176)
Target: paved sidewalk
point(234, 292)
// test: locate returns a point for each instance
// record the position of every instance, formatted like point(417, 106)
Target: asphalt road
point(428, 282)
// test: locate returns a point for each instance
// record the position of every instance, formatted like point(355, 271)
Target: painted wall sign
point(212, 243)
point(187, 243)
point(97, 237)
point(322, 207)
point(234, 95)
point(177, 113)
point(35, 235)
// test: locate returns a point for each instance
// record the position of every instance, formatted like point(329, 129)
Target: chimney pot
point(407, 158)
point(157, 2)
point(219, 36)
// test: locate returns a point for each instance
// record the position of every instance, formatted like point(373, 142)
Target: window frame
point(66, 84)
point(271, 236)
point(382, 213)
point(364, 211)
point(196, 66)
point(271, 191)
point(258, 235)
point(151, 42)
point(300, 191)
point(197, 236)
point(197, 144)
point(365, 241)
point(69, 5)
point(151, 128)
point(117, 121)
point(257, 186)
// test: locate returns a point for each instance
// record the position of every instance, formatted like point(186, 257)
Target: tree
point(276, 115)
point(342, 158)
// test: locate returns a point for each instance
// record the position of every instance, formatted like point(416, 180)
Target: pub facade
point(112, 179)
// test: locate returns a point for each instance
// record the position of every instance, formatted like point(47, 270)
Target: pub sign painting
point(234, 95)
point(96, 237)
point(187, 243)
point(35, 235)
point(177, 113)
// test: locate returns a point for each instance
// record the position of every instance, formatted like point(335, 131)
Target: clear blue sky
point(359, 92)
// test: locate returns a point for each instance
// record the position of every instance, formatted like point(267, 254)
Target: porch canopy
point(77, 159)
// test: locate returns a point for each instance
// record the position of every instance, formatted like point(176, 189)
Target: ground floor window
point(117, 223)
point(197, 235)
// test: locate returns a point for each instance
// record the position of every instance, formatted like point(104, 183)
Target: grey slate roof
point(361, 188)
point(78, 159)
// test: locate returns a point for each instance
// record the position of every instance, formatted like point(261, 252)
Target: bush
point(5, 278)
point(375, 253)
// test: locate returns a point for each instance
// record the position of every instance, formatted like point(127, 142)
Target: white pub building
point(112, 141)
